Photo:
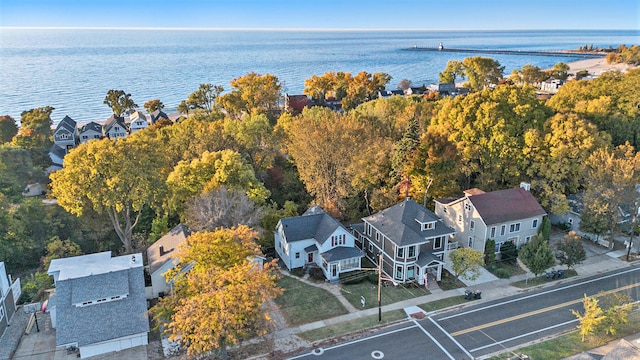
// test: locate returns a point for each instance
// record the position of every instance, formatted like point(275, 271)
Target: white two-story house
point(316, 238)
point(504, 215)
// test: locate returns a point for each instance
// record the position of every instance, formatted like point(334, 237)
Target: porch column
point(439, 272)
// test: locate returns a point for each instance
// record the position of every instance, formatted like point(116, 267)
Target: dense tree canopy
point(118, 178)
point(217, 280)
point(153, 105)
point(8, 128)
point(252, 94)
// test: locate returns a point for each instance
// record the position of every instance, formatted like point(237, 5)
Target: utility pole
point(379, 286)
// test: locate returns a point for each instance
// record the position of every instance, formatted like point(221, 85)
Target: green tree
point(405, 147)
point(203, 98)
point(153, 105)
point(616, 314)
point(223, 286)
point(466, 263)
point(252, 94)
point(482, 72)
point(8, 128)
point(210, 171)
point(537, 255)
point(118, 178)
point(120, 102)
point(489, 251)
point(318, 87)
point(560, 71)
point(451, 73)
point(35, 134)
point(611, 179)
point(591, 319)
point(255, 138)
point(545, 228)
point(324, 164)
point(529, 75)
point(570, 251)
point(508, 252)
point(57, 249)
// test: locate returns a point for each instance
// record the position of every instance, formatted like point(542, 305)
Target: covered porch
point(339, 260)
point(429, 263)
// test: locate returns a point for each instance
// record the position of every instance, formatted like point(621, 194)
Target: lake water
point(72, 70)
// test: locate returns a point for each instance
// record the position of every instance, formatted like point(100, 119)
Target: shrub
point(502, 273)
point(315, 273)
point(508, 252)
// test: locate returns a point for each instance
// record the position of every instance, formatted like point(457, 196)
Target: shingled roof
point(314, 222)
point(506, 205)
point(162, 250)
point(400, 224)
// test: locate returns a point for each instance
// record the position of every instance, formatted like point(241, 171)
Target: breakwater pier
point(570, 54)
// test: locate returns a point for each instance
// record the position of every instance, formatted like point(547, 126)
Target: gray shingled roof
point(157, 115)
point(576, 202)
point(425, 258)
point(68, 124)
point(314, 223)
point(102, 321)
point(340, 253)
point(506, 205)
point(91, 126)
point(169, 242)
point(398, 223)
point(99, 286)
point(112, 121)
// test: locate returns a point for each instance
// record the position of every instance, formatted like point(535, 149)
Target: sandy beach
point(596, 66)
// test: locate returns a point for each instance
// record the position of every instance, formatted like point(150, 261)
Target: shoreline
point(596, 67)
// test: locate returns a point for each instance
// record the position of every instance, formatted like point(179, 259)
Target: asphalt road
point(479, 330)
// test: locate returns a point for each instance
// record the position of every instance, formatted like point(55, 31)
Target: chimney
point(162, 252)
point(525, 185)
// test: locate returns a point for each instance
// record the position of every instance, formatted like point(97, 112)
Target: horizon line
point(280, 29)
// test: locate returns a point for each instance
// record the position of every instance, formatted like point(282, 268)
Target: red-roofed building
point(296, 103)
point(504, 215)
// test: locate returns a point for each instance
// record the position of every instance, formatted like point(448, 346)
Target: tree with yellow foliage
point(218, 292)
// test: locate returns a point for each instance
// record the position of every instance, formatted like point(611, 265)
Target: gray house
point(161, 258)
point(99, 304)
point(115, 128)
point(157, 116)
point(66, 134)
point(512, 215)
point(317, 239)
point(411, 239)
point(90, 131)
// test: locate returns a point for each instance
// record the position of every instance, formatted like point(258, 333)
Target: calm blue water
point(72, 70)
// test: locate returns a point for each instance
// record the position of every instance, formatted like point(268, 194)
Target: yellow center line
point(536, 312)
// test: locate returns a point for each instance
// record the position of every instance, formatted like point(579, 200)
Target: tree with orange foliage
point(218, 292)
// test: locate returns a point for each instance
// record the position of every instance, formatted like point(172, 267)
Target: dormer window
point(426, 225)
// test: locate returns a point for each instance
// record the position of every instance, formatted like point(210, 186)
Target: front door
point(334, 270)
point(310, 258)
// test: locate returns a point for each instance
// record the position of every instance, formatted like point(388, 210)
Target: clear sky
point(325, 14)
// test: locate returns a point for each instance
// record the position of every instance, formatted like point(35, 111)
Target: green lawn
point(449, 282)
point(352, 326)
point(389, 294)
point(571, 343)
point(505, 270)
point(301, 303)
point(443, 303)
point(541, 279)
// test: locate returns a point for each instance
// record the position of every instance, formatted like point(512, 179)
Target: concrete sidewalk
point(491, 289)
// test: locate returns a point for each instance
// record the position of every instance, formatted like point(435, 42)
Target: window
point(399, 272)
point(527, 239)
point(470, 244)
point(472, 226)
point(400, 252)
point(493, 232)
point(503, 229)
point(367, 228)
point(437, 242)
point(498, 246)
point(1, 312)
point(85, 137)
point(370, 247)
point(412, 251)
point(297, 255)
point(514, 227)
point(377, 236)
point(427, 226)
point(410, 272)
point(444, 209)
point(467, 206)
point(534, 224)
point(460, 218)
